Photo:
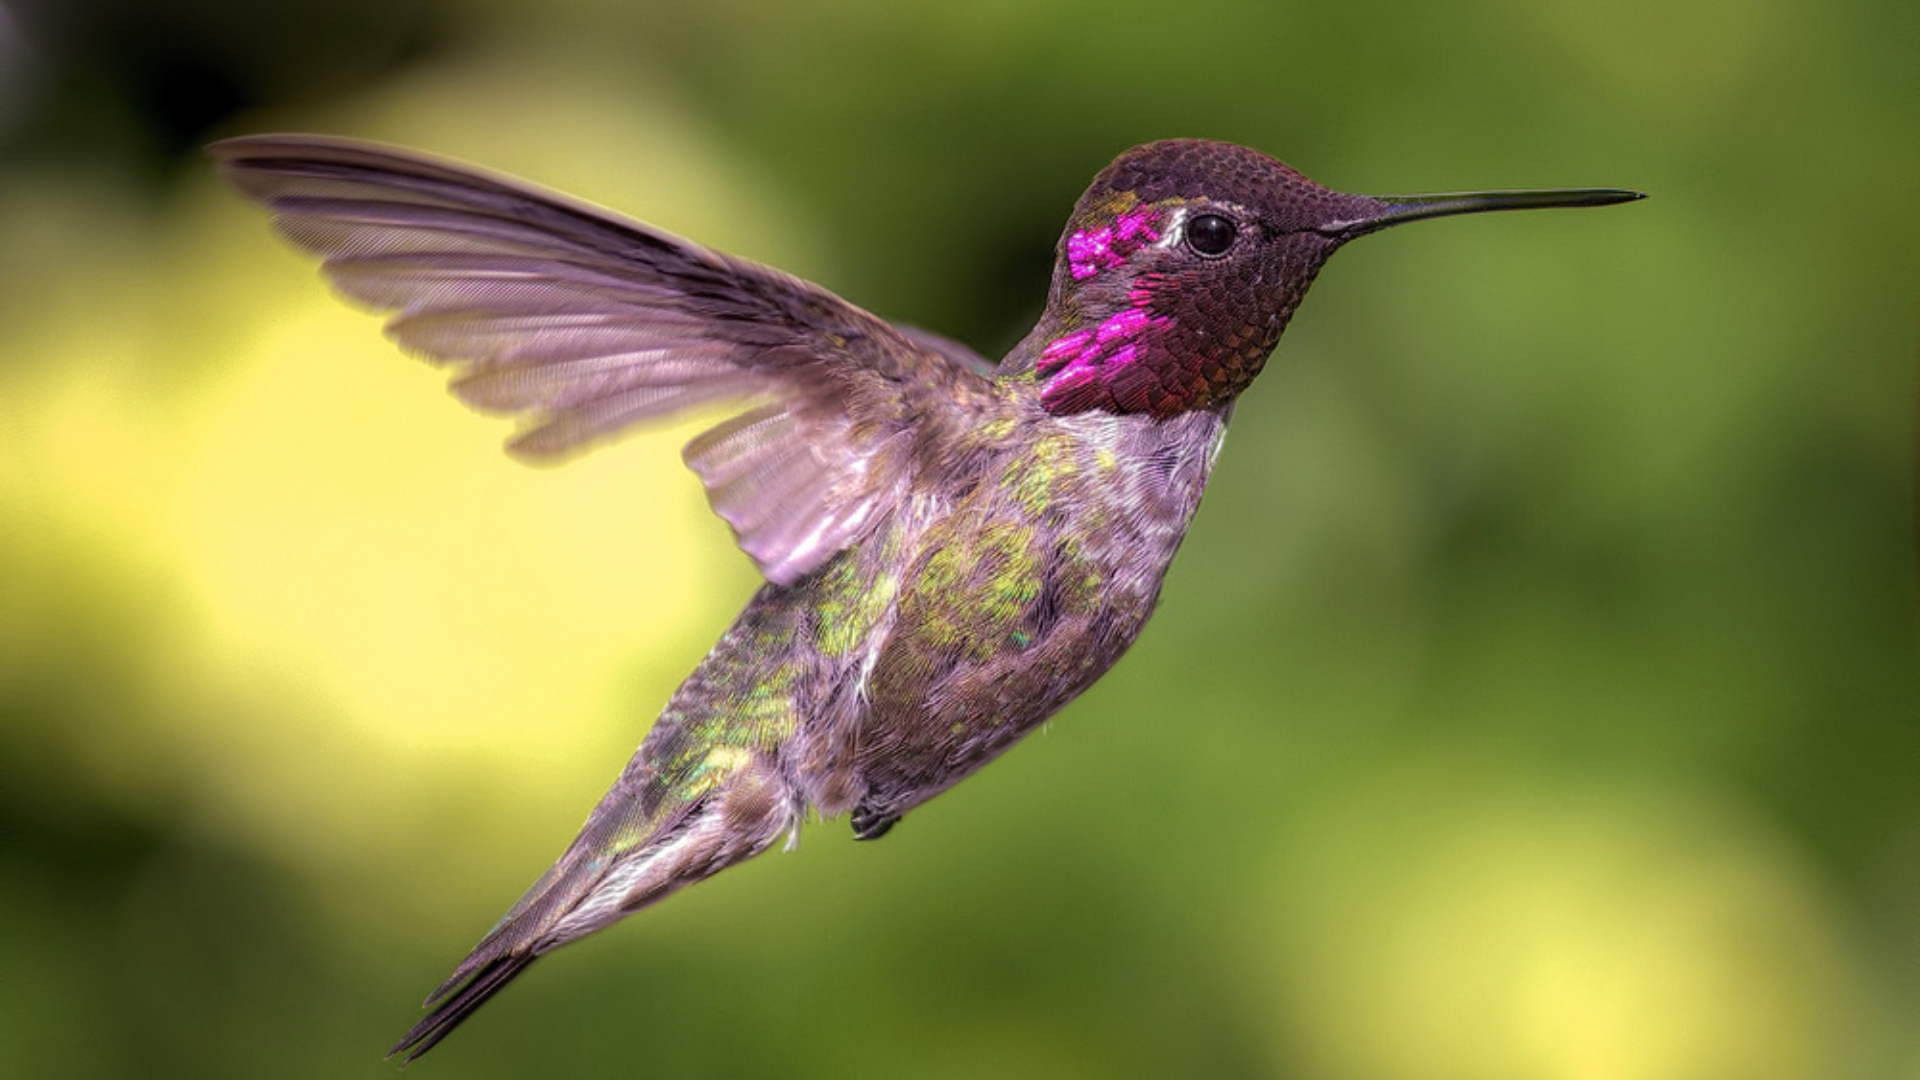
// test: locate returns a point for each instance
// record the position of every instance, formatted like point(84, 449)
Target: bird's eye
point(1210, 234)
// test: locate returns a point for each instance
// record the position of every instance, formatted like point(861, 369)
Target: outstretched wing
point(582, 323)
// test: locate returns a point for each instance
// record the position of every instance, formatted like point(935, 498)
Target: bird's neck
point(1148, 355)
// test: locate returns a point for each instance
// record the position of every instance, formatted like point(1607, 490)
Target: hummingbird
point(953, 549)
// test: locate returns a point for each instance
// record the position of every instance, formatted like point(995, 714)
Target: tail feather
point(518, 939)
point(514, 943)
point(632, 851)
point(456, 1005)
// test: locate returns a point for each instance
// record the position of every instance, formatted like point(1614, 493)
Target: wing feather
point(581, 324)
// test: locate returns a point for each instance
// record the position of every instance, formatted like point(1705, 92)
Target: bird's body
point(976, 610)
point(953, 549)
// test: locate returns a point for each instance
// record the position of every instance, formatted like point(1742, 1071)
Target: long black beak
point(1399, 209)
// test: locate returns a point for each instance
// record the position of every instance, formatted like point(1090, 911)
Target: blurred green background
point(1535, 696)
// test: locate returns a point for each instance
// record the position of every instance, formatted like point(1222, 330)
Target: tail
point(642, 842)
point(488, 981)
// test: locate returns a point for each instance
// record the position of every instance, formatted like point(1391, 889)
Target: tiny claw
point(871, 824)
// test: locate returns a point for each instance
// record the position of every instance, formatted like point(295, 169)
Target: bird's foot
point(870, 824)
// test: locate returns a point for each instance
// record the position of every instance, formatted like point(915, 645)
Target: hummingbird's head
point(1183, 261)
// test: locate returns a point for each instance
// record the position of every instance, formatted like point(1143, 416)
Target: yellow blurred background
point(1535, 696)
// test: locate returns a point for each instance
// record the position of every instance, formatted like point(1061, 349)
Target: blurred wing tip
point(527, 449)
point(274, 144)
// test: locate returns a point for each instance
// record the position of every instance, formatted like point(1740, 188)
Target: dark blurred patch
point(202, 960)
point(175, 70)
point(179, 92)
point(85, 846)
point(1005, 274)
point(62, 880)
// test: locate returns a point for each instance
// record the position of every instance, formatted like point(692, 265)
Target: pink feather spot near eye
point(1089, 251)
point(1136, 226)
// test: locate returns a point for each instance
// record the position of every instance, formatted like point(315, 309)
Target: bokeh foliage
point(1535, 696)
